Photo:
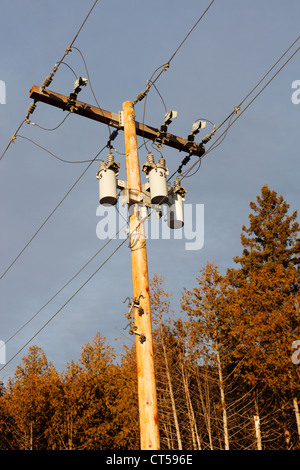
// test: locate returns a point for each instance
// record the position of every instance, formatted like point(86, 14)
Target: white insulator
point(158, 185)
point(107, 186)
point(175, 211)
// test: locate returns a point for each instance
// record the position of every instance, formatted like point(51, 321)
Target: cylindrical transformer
point(158, 185)
point(157, 179)
point(107, 176)
point(175, 211)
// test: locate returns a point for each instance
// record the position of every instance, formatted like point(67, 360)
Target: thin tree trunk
point(257, 432)
point(31, 436)
point(170, 386)
point(286, 432)
point(257, 426)
point(206, 412)
point(167, 435)
point(70, 432)
point(297, 414)
point(193, 425)
point(223, 403)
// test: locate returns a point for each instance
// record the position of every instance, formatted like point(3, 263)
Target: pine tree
point(271, 238)
point(91, 391)
point(264, 299)
point(29, 401)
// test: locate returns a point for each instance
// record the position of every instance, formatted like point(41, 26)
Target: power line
point(50, 77)
point(237, 108)
point(65, 285)
point(165, 66)
point(261, 80)
point(89, 80)
point(80, 288)
point(47, 128)
point(66, 303)
point(53, 211)
point(52, 154)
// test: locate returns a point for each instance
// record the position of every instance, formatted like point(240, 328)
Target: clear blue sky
point(123, 43)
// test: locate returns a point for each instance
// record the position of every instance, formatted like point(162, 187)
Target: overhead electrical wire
point(130, 234)
point(50, 77)
point(112, 136)
point(13, 139)
point(56, 156)
point(66, 303)
point(165, 66)
point(150, 83)
point(89, 81)
point(54, 210)
point(47, 128)
point(65, 285)
point(237, 108)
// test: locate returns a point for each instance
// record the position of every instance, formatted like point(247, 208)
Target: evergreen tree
point(29, 401)
point(271, 238)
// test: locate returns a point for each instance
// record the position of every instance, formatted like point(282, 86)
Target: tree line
point(227, 364)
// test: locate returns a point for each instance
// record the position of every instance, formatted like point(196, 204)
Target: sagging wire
point(47, 128)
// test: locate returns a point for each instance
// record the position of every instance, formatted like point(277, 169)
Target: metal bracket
point(135, 303)
point(121, 120)
point(132, 196)
point(141, 335)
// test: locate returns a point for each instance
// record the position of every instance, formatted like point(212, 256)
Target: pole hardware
point(133, 196)
point(135, 303)
point(72, 98)
point(113, 119)
point(141, 335)
point(162, 132)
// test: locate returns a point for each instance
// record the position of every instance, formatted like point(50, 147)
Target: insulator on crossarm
point(47, 82)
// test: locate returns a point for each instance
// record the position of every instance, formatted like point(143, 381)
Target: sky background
point(123, 43)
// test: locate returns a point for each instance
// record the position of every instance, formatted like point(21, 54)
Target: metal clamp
point(141, 335)
point(135, 303)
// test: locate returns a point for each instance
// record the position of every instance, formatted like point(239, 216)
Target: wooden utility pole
point(149, 432)
point(149, 428)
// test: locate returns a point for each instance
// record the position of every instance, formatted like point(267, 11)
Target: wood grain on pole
point(149, 429)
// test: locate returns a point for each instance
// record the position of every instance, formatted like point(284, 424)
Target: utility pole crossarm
point(113, 120)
